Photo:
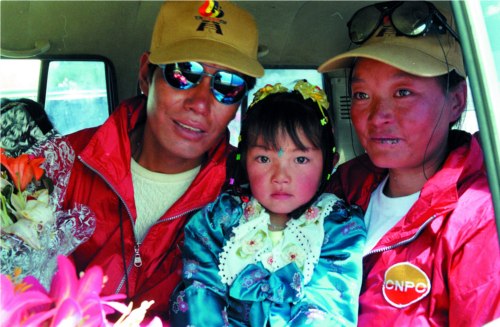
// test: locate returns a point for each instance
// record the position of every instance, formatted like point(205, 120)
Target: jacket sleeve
point(474, 270)
point(331, 297)
point(202, 290)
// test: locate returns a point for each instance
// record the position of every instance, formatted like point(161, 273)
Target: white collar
point(251, 242)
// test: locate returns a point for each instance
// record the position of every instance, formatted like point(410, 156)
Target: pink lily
point(16, 301)
point(70, 301)
point(78, 299)
point(73, 301)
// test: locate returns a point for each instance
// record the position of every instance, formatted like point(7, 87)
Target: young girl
point(275, 251)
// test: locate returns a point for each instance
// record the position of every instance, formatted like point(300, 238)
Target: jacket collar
point(439, 194)
point(108, 152)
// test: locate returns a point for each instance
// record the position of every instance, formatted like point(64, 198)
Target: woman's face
point(402, 120)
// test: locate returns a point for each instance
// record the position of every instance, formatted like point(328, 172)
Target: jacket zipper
point(176, 216)
point(404, 242)
point(137, 256)
point(137, 262)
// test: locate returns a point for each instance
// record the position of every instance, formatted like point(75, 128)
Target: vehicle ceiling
point(297, 33)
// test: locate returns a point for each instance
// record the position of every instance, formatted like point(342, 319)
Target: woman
point(432, 255)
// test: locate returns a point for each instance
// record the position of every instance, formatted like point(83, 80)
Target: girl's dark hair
point(288, 113)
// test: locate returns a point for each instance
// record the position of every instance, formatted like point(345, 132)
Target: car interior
point(48, 47)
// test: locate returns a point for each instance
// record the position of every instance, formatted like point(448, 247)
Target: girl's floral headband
point(308, 91)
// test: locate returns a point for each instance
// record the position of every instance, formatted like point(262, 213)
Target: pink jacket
point(440, 265)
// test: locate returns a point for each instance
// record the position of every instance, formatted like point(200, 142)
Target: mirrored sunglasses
point(410, 18)
point(227, 87)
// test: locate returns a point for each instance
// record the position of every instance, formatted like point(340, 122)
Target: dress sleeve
point(201, 290)
point(331, 297)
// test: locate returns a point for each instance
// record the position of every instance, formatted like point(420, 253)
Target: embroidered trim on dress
point(251, 242)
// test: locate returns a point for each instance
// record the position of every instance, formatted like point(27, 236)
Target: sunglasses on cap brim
point(409, 18)
point(227, 87)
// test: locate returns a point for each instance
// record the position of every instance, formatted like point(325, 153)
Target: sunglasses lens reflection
point(412, 18)
point(364, 23)
point(183, 75)
point(227, 87)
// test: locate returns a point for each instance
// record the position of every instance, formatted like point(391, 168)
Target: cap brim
point(409, 60)
point(211, 52)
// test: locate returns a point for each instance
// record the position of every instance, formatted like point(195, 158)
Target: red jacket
point(101, 179)
point(440, 265)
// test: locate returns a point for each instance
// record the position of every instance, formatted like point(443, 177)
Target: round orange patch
point(404, 284)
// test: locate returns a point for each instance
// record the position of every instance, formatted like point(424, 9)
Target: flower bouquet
point(69, 302)
point(34, 230)
point(39, 285)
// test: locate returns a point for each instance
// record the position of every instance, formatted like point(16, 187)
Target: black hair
point(251, 81)
point(34, 109)
point(285, 113)
point(449, 82)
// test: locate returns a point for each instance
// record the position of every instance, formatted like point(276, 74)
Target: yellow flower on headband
point(266, 90)
point(305, 88)
point(315, 93)
point(312, 91)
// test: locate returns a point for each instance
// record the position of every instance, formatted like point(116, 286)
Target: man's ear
point(458, 98)
point(144, 74)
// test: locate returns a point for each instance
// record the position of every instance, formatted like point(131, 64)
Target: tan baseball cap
point(428, 56)
point(217, 32)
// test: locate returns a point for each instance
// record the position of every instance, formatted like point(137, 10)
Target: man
point(160, 156)
point(432, 256)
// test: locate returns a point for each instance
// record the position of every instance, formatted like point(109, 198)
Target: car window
point(19, 78)
point(76, 94)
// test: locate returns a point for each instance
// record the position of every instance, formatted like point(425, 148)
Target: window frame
point(478, 60)
point(45, 60)
point(111, 86)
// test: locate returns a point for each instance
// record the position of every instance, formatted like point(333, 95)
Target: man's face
point(402, 120)
point(182, 125)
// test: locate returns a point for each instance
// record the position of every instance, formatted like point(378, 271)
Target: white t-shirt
point(383, 213)
point(154, 193)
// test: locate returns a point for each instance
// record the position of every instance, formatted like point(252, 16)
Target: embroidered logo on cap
point(404, 284)
point(211, 9)
point(211, 13)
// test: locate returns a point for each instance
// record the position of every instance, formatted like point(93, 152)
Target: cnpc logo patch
point(404, 284)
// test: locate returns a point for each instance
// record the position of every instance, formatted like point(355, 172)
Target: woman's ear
point(144, 74)
point(458, 98)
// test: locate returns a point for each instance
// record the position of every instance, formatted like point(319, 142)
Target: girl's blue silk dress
point(259, 297)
